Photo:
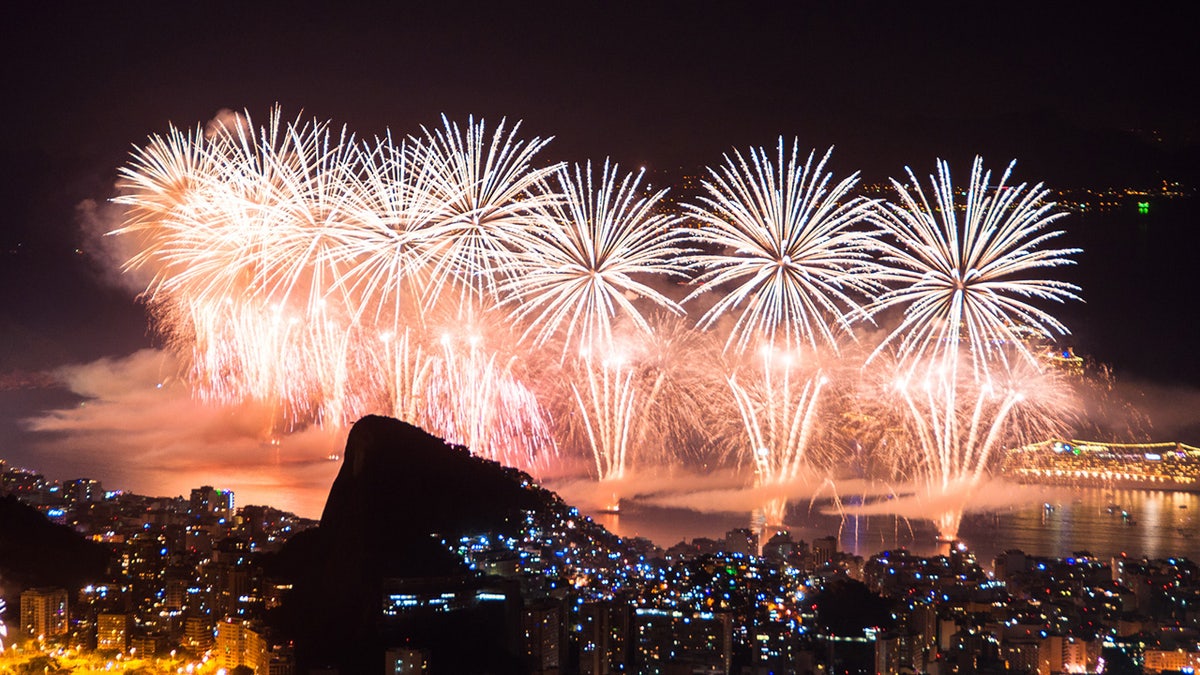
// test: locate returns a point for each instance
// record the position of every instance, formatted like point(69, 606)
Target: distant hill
point(36, 552)
point(400, 491)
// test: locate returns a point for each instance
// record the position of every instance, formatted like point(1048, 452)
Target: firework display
point(964, 277)
point(535, 310)
point(581, 272)
point(947, 430)
point(791, 245)
point(967, 277)
point(795, 252)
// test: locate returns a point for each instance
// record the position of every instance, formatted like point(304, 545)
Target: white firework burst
point(484, 189)
point(966, 276)
point(592, 257)
point(791, 244)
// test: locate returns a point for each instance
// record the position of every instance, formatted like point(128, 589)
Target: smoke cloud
point(96, 219)
point(226, 121)
point(1174, 409)
point(140, 429)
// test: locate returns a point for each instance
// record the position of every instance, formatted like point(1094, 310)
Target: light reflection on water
point(1159, 524)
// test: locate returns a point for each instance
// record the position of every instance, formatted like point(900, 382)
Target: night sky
point(1088, 99)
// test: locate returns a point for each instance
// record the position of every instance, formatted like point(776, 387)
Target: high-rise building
point(44, 612)
point(83, 491)
point(149, 644)
point(112, 632)
point(1020, 654)
point(893, 654)
point(741, 540)
point(207, 500)
point(197, 633)
point(670, 640)
point(544, 637)
point(604, 637)
point(401, 661)
point(240, 645)
point(779, 547)
point(283, 661)
point(435, 614)
point(175, 593)
point(824, 548)
point(1170, 660)
point(1060, 653)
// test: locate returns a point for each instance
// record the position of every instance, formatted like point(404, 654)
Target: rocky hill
point(399, 494)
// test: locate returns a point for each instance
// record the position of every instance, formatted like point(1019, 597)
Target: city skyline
point(204, 585)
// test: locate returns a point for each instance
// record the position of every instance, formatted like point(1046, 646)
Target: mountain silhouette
point(35, 552)
point(400, 493)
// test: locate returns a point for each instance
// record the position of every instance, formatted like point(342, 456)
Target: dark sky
point(1078, 98)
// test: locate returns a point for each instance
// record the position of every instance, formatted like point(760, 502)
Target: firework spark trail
point(795, 248)
point(278, 256)
point(407, 368)
point(777, 408)
point(581, 273)
point(968, 280)
point(676, 377)
point(486, 192)
point(954, 426)
point(792, 245)
point(477, 402)
point(606, 402)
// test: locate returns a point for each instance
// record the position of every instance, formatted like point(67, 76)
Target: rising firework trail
point(406, 368)
point(479, 402)
point(605, 399)
point(777, 405)
point(950, 429)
